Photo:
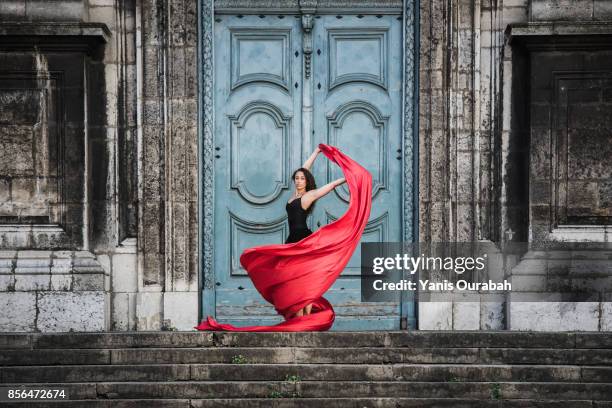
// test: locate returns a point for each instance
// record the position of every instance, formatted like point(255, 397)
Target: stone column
point(459, 123)
point(168, 252)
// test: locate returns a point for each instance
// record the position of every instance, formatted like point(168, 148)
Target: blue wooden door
point(257, 142)
point(261, 138)
point(358, 103)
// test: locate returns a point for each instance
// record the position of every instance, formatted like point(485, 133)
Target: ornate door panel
point(357, 97)
point(257, 143)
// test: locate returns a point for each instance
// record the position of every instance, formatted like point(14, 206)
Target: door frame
point(206, 151)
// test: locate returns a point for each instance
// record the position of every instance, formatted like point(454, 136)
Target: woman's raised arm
point(321, 191)
point(308, 163)
point(312, 195)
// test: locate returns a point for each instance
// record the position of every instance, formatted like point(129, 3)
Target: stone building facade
point(107, 152)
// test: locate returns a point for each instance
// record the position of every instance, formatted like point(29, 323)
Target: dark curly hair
point(310, 184)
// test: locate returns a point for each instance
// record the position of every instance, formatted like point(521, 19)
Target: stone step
point(418, 339)
point(281, 402)
point(485, 391)
point(357, 369)
point(349, 389)
point(394, 403)
point(285, 355)
point(124, 403)
point(306, 372)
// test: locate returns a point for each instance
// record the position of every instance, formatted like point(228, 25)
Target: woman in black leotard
point(301, 204)
point(296, 215)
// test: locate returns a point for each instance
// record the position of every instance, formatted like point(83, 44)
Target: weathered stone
point(553, 316)
point(13, 9)
point(513, 15)
point(466, 315)
point(39, 264)
point(561, 10)
point(530, 267)
point(31, 283)
point(84, 262)
point(53, 357)
point(19, 312)
point(435, 315)
point(125, 273)
point(149, 309)
point(492, 315)
point(88, 282)
point(606, 313)
point(76, 311)
point(602, 10)
point(61, 282)
point(104, 14)
point(125, 314)
point(61, 262)
point(7, 264)
point(7, 283)
point(529, 283)
point(181, 309)
point(62, 10)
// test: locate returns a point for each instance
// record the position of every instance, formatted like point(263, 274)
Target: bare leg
point(300, 313)
point(307, 309)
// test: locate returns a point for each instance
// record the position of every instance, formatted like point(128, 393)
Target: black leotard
point(296, 215)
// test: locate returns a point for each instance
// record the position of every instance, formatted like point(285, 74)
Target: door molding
point(297, 6)
point(206, 149)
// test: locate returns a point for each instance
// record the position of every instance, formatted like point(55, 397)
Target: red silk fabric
point(291, 276)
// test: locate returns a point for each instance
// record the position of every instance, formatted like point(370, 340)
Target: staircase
point(310, 369)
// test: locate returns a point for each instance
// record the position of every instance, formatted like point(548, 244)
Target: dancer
point(302, 202)
point(295, 275)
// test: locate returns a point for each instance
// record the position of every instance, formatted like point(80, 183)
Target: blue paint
point(358, 108)
point(257, 130)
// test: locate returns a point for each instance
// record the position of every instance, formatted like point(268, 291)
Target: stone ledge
point(560, 28)
point(57, 36)
point(96, 31)
point(49, 262)
point(561, 35)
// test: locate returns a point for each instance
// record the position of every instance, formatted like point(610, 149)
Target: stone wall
point(168, 250)
point(459, 120)
point(52, 291)
point(477, 159)
point(133, 152)
point(57, 274)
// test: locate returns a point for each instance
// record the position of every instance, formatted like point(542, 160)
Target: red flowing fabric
point(291, 276)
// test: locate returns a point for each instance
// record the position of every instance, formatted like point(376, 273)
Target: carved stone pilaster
point(206, 153)
point(410, 133)
point(307, 8)
point(307, 24)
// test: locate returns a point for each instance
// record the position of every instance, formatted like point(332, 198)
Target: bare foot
point(303, 312)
